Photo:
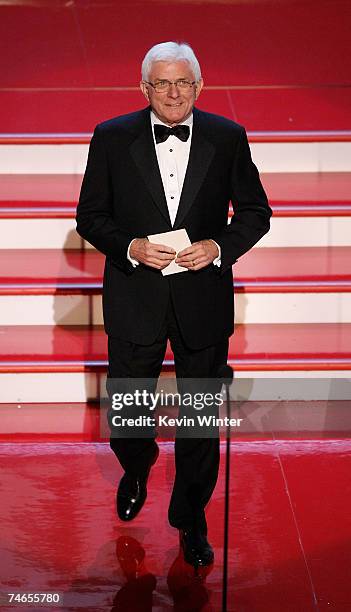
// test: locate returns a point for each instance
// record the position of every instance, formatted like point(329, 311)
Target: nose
point(173, 91)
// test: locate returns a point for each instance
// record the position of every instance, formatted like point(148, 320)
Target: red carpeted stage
point(282, 69)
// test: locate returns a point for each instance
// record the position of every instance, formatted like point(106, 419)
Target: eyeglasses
point(164, 84)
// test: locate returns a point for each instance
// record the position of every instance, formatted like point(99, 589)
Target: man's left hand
point(198, 255)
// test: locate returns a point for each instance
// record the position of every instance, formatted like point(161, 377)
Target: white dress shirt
point(172, 156)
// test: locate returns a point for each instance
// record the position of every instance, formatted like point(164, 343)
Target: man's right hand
point(154, 255)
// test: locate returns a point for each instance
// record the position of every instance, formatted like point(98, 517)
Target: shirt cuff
point(134, 262)
point(217, 261)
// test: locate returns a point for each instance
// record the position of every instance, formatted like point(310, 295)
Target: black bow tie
point(162, 132)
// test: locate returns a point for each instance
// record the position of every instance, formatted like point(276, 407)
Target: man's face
point(173, 105)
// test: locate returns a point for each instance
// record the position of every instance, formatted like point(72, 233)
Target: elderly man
point(168, 167)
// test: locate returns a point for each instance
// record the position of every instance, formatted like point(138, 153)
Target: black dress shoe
point(196, 549)
point(132, 492)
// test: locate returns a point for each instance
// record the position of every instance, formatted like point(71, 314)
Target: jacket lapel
point(200, 157)
point(142, 150)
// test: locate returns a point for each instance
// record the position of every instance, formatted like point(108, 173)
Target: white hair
point(172, 52)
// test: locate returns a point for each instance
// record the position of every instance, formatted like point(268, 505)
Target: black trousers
point(196, 458)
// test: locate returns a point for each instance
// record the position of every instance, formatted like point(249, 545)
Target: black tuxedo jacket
point(122, 198)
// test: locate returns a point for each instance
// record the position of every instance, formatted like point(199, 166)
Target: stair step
point(253, 306)
point(60, 233)
point(308, 193)
point(279, 269)
point(290, 194)
point(264, 347)
point(307, 152)
point(64, 421)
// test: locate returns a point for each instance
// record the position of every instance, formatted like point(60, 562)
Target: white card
point(178, 240)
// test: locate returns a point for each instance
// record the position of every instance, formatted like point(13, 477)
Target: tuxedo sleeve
point(95, 222)
point(252, 213)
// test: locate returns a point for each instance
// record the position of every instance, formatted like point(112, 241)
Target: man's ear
point(198, 87)
point(144, 90)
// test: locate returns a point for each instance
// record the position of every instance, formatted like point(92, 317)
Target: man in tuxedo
point(167, 167)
